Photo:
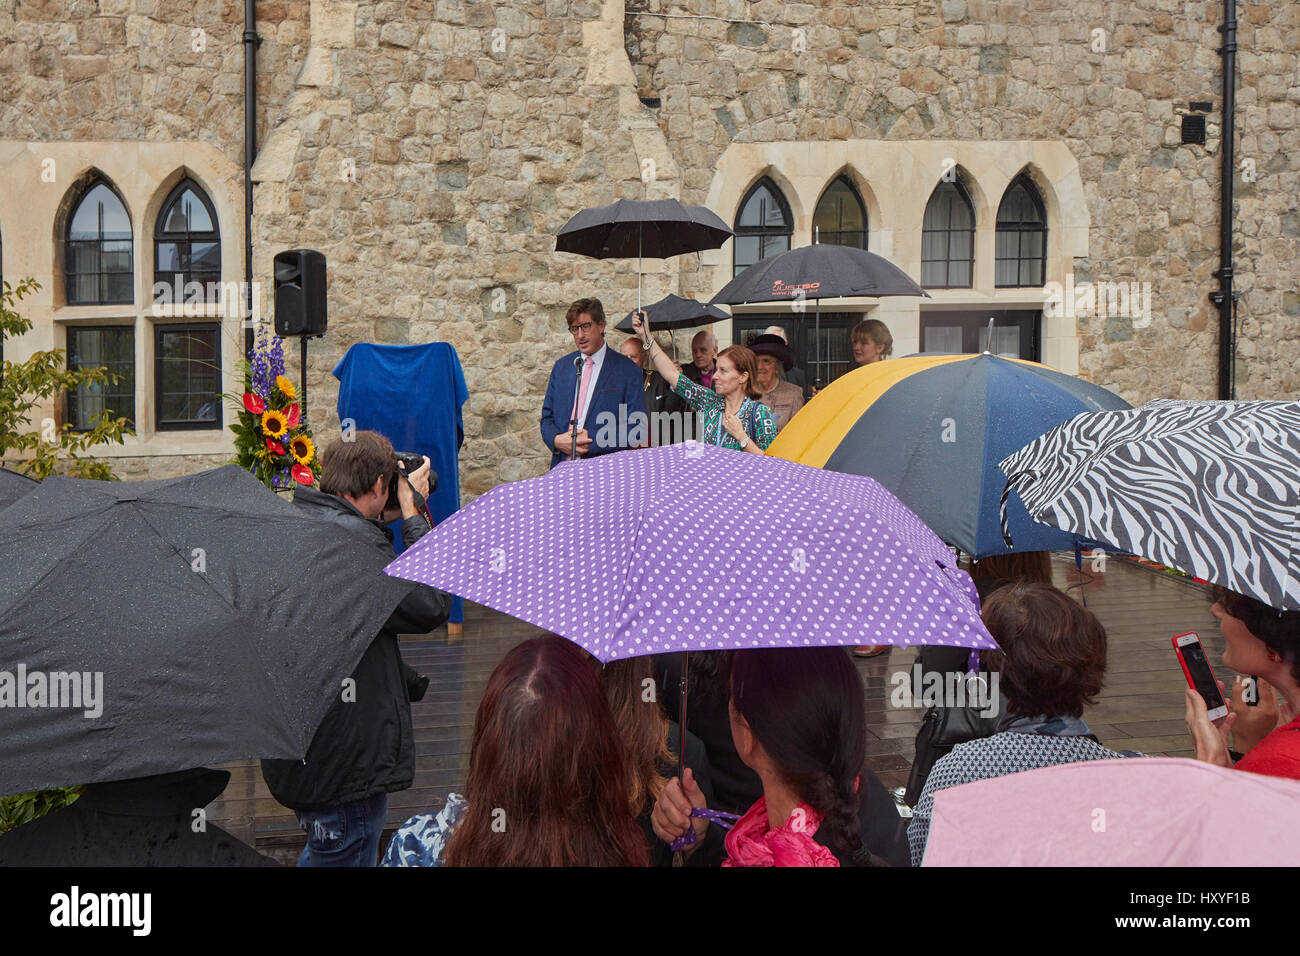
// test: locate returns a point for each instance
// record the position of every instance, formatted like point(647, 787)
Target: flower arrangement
point(272, 440)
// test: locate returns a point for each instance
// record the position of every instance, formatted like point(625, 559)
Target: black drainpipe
point(1224, 297)
point(251, 42)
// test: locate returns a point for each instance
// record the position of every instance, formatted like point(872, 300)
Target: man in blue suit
point(611, 402)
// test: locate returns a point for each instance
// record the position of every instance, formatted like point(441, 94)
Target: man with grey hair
point(704, 355)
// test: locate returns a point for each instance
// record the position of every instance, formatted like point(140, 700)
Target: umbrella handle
point(1002, 504)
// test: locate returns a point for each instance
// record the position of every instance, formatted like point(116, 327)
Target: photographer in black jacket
point(364, 748)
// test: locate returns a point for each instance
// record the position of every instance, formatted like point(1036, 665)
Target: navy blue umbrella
point(933, 428)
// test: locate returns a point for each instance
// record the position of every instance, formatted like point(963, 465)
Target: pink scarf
point(752, 841)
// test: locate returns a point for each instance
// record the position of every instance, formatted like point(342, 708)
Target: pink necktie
point(582, 389)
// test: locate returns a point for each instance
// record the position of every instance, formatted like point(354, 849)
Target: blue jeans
point(346, 835)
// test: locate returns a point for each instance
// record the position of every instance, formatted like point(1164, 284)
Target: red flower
point(274, 446)
point(293, 412)
point(302, 474)
point(253, 403)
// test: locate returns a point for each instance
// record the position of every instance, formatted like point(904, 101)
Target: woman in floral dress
point(729, 415)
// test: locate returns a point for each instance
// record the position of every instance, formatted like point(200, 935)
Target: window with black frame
point(97, 249)
point(1021, 236)
point(1016, 332)
point(187, 376)
point(836, 346)
point(948, 238)
point(113, 349)
point(763, 226)
point(840, 218)
point(187, 245)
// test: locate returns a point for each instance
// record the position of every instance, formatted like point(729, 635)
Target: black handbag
point(943, 728)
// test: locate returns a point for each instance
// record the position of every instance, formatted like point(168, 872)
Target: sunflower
point(274, 423)
point(303, 450)
point(286, 387)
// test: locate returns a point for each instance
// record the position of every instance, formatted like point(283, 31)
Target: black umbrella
point(820, 271)
point(675, 312)
point(14, 486)
point(657, 228)
point(145, 822)
point(149, 627)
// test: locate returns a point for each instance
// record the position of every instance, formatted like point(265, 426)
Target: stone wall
point(133, 70)
point(973, 70)
point(432, 158)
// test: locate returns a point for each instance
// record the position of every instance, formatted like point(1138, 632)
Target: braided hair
point(805, 706)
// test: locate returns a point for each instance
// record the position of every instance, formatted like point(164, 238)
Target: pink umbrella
point(1154, 811)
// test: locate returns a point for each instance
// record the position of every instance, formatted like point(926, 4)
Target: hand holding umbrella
point(663, 364)
point(672, 815)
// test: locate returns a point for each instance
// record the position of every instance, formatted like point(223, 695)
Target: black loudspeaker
point(300, 293)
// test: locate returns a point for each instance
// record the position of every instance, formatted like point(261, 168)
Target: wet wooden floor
point(1140, 708)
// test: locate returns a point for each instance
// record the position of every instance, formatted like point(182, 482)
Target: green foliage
point(25, 807)
point(25, 386)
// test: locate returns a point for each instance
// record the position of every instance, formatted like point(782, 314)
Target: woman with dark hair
point(730, 414)
point(652, 742)
point(549, 781)
point(735, 786)
point(1051, 664)
point(799, 721)
point(1263, 641)
point(989, 574)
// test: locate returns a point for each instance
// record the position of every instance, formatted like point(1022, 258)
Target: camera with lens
point(408, 462)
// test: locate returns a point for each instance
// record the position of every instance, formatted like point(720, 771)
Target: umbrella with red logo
point(820, 271)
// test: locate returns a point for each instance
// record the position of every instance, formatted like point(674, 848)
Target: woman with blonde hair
point(872, 341)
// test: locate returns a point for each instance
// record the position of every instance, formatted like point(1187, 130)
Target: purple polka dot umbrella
point(694, 547)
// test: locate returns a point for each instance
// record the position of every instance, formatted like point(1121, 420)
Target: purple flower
point(276, 356)
point(266, 361)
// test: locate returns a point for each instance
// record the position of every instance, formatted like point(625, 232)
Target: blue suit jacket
point(619, 393)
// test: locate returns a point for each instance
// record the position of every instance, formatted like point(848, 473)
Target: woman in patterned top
point(1052, 662)
point(729, 416)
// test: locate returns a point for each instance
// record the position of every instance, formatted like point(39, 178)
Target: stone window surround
point(34, 214)
point(886, 175)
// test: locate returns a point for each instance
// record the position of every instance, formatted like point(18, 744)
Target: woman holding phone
point(730, 414)
point(1263, 641)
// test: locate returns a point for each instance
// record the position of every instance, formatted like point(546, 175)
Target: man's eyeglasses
point(581, 327)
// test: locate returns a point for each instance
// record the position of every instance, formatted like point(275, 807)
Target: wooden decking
point(1140, 708)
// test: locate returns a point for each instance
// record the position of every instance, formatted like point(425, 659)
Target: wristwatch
point(744, 443)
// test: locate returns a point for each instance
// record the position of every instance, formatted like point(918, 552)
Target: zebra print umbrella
point(1210, 488)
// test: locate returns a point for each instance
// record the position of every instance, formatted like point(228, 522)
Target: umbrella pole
point(638, 267)
point(681, 714)
point(817, 342)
